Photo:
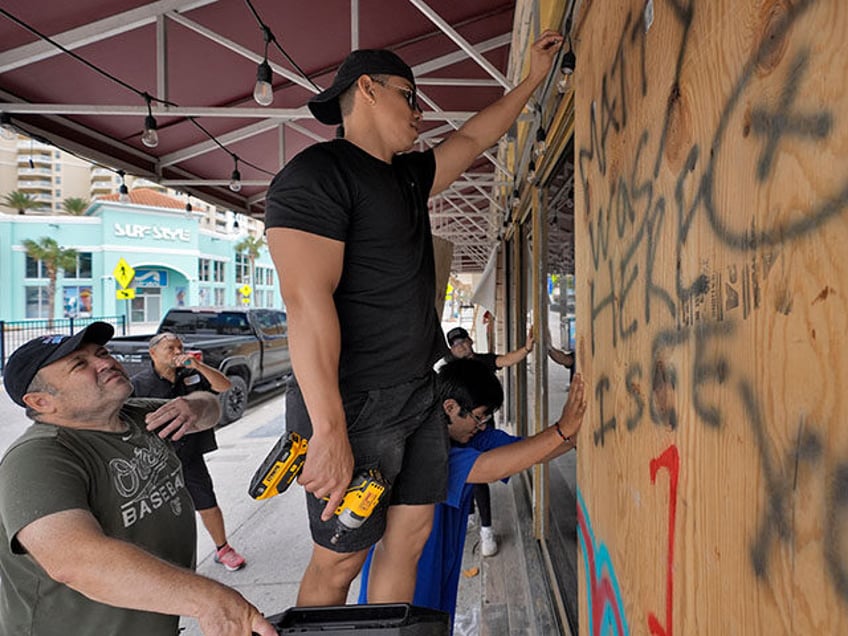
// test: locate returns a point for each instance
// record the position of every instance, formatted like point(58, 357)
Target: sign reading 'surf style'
point(134, 230)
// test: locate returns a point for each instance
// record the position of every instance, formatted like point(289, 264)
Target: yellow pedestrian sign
point(124, 273)
point(124, 294)
point(245, 290)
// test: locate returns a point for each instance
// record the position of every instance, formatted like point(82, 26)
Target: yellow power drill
point(285, 461)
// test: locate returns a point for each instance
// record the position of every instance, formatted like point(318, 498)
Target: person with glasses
point(462, 346)
point(348, 228)
point(469, 395)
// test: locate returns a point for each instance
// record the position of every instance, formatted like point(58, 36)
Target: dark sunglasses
point(409, 94)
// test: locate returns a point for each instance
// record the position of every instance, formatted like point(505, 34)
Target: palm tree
point(75, 205)
point(20, 201)
point(53, 258)
point(252, 247)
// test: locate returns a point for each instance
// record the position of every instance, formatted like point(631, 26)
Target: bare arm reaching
point(510, 459)
point(481, 131)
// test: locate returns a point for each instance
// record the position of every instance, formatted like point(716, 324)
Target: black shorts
point(399, 430)
point(198, 481)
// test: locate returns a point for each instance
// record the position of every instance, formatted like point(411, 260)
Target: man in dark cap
point(349, 232)
point(97, 530)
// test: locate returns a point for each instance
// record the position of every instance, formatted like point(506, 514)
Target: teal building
point(162, 257)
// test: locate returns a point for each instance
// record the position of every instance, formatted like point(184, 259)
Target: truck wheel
point(234, 401)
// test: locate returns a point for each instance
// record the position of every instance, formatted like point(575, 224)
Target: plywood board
point(711, 211)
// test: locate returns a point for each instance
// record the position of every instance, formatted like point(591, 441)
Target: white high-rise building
point(50, 176)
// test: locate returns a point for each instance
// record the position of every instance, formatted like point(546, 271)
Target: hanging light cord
point(269, 37)
point(129, 87)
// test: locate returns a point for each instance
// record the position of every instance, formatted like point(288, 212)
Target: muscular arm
point(309, 268)
point(480, 132)
point(120, 574)
point(513, 458)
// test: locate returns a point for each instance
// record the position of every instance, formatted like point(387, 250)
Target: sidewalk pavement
point(273, 535)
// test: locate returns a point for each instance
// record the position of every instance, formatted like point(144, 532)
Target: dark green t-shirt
point(132, 483)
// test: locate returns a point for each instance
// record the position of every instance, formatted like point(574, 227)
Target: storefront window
point(219, 296)
point(242, 269)
point(36, 302)
point(77, 301)
point(83, 267)
point(35, 268)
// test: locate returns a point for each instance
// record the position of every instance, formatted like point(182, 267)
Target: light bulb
point(150, 138)
point(7, 130)
point(263, 92)
point(569, 62)
point(235, 181)
point(540, 144)
point(124, 194)
point(531, 172)
point(516, 199)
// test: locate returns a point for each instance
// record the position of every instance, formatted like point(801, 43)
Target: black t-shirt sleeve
point(310, 194)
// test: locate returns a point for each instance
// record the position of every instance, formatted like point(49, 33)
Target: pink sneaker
point(229, 558)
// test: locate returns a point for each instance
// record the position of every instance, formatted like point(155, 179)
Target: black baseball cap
point(325, 106)
point(29, 358)
point(456, 334)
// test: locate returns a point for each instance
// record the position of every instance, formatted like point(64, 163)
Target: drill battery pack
point(280, 468)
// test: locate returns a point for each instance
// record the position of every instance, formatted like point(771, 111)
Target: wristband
point(565, 439)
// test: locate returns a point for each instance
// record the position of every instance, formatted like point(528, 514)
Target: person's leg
point(328, 576)
point(395, 562)
point(488, 542)
point(199, 485)
point(213, 520)
point(484, 504)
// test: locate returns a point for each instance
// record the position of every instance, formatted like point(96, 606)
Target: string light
point(569, 61)
point(540, 144)
point(123, 191)
point(150, 138)
point(149, 130)
point(263, 92)
point(516, 199)
point(531, 172)
point(235, 177)
point(7, 129)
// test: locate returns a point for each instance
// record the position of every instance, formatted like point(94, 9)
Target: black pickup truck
point(250, 346)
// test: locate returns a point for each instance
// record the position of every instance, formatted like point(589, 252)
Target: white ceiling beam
point(178, 183)
point(449, 59)
point(354, 25)
point(203, 147)
point(94, 32)
point(454, 81)
point(245, 112)
point(461, 42)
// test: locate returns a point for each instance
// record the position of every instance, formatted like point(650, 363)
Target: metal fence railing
point(14, 333)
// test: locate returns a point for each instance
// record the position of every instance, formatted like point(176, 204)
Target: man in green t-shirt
point(97, 530)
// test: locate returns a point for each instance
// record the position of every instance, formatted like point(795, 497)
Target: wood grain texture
point(711, 211)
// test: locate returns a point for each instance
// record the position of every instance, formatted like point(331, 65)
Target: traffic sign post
point(123, 273)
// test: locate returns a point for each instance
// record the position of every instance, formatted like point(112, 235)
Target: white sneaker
point(488, 543)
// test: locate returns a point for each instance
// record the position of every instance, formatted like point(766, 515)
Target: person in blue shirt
point(469, 395)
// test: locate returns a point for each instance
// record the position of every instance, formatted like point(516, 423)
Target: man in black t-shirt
point(349, 231)
point(173, 373)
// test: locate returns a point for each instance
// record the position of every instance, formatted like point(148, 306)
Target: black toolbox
point(391, 619)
